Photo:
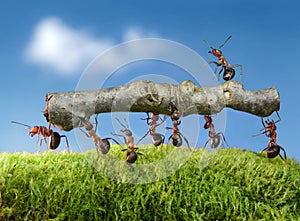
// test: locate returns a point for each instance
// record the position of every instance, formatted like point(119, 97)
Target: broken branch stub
point(69, 110)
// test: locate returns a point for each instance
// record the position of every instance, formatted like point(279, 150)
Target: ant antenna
point(15, 122)
point(225, 41)
point(125, 127)
point(205, 41)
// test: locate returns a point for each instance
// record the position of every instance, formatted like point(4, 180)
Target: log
point(69, 110)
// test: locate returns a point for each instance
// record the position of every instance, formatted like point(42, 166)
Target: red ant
point(214, 138)
point(132, 155)
point(229, 71)
point(273, 149)
point(54, 137)
point(102, 145)
point(157, 138)
point(177, 135)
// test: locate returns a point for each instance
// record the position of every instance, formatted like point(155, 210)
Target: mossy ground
point(232, 185)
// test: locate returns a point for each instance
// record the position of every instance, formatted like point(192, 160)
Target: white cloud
point(68, 51)
point(134, 33)
point(62, 48)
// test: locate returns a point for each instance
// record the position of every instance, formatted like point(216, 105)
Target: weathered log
point(69, 110)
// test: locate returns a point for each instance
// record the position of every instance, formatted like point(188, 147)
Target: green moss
point(232, 185)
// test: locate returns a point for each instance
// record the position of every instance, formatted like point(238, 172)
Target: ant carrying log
point(102, 145)
point(132, 155)
point(157, 138)
point(229, 71)
point(273, 149)
point(215, 138)
point(54, 137)
point(177, 135)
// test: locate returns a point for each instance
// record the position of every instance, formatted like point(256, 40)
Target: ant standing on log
point(273, 149)
point(177, 135)
point(102, 145)
point(229, 71)
point(157, 138)
point(54, 137)
point(214, 138)
point(132, 155)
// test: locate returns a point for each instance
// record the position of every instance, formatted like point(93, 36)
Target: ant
point(214, 138)
point(132, 155)
point(273, 149)
point(229, 71)
point(102, 145)
point(54, 137)
point(157, 138)
point(177, 135)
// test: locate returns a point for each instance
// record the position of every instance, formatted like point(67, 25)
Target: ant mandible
point(54, 137)
point(214, 138)
point(177, 135)
point(273, 149)
point(132, 155)
point(157, 138)
point(229, 71)
point(102, 145)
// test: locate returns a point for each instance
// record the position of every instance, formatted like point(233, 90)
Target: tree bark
point(69, 110)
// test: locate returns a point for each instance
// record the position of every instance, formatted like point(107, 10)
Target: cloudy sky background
point(47, 46)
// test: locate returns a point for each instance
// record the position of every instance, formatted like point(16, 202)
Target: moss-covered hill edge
point(233, 185)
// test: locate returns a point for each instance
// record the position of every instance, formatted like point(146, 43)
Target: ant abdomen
point(131, 157)
point(176, 140)
point(215, 141)
point(54, 140)
point(273, 151)
point(229, 73)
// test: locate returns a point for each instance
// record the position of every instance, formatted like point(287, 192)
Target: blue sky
point(46, 46)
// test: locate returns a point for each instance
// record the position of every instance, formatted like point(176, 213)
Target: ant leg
point(220, 133)
point(67, 142)
point(96, 120)
point(217, 65)
point(120, 135)
point(206, 143)
point(220, 73)
point(186, 140)
point(40, 144)
point(241, 71)
point(168, 142)
point(84, 132)
point(283, 152)
point(279, 119)
point(109, 138)
point(147, 119)
point(143, 137)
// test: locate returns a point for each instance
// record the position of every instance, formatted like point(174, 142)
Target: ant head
point(216, 52)
point(175, 115)
point(34, 130)
point(207, 118)
point(127, 132)
point(155, 117)
point(88, 126)
point(208, 121)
